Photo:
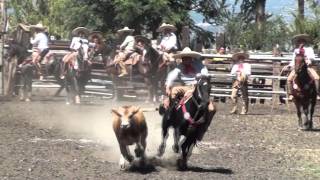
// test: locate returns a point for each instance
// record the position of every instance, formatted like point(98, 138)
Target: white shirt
point(308, 53)
point(169, 41)
point(76, 42)
point(246, 69)
point(128, 43)
point(41, 40)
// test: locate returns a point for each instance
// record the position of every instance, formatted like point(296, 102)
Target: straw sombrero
point(78, 30)
point(142, 38)
point(166, 26)
point(125, 29)
point(186, 52)
point(37, 26)
point(95, 34)
point(24, 27)
point(237, 55)
point(298, 37)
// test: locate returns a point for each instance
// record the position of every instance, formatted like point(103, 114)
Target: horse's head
point(203, 88)
point(299, 63)
point(83, 51)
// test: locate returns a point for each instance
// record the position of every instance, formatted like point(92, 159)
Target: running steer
point(130, 127)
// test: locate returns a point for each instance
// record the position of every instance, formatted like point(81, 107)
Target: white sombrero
point(186, 52)
point(237, 55)
point(166, 26)
point(37, 26)
point(125, 29)
point(298, 37)
point(78, 30)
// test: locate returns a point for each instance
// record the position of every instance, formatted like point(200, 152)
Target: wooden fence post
point(276, 83)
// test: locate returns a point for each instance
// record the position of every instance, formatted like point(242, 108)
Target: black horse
point(304, 93)
point(77, 75)
point(153, 70)
point(190, 118)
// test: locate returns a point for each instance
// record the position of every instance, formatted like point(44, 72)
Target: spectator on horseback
point(168, 44)
point(96, 42)
point(140, 43)
point(186, 72)
point(80, 35)
point(242, 70)
point(126, 49)
point(40, 46)
point(302, 41)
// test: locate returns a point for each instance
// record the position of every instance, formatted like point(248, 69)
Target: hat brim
point(24, 27)
point(125, 30)
point(170, 27)
point(298, 37)
point(142, 38)
point(236, 56)
point(32, 27)
point(77, 30)
point(189, 54)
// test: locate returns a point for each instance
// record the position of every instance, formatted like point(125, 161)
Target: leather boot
point(290, 90)
point(123, 69)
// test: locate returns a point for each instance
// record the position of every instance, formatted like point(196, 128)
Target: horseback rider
point(126, 49)
point(242, 71)
point(96, 43)
point(302, 41)
point(168, 44)
point(140, 43)
point(80, 35)
point(187, 71)
point(40, 46)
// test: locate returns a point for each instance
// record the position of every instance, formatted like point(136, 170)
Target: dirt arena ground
point(50, 140)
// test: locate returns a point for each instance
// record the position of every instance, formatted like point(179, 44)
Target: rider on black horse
point(187, 71)
point(301, 41)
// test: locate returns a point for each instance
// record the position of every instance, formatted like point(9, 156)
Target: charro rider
point(97, 45)
point(168, 44)
point(190, 66)
point(80, 35)
point(140, 43)
point(301, 41)
point(242, 70)
point(126, 49)
point(40, 45)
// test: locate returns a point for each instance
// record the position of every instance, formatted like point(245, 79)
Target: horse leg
point(186, 149)
point(298, 107)
point(162, 146)
point(311, 111)
point(306, 116)
point(140, 146)
point(176, 137)
point(148, 82)
point(68, 90)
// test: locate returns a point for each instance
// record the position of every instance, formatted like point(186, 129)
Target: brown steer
point(130, 127)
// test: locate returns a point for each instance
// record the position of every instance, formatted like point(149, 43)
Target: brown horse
point(153, 69)
point(304, 93)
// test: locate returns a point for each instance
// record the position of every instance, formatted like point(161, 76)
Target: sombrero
point(37, 26)
point(95, 34)
point(298, 37)
point(142, 38)
point(78, 30)
point(237, 55)
point(166, 26)
point(125, 29)
point(186, 52)
point(24, 27)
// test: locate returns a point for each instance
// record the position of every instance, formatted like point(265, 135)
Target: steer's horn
point(149, 109)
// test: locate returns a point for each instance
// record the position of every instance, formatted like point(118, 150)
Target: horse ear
point(115, 112)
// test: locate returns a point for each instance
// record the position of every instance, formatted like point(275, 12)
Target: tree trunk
point(260, 21)
point(260, 13)
point(301, 9)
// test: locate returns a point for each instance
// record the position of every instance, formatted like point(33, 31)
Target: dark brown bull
point(130, 128)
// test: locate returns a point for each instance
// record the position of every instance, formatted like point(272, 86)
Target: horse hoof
point(182, 165)
point(175, 148)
